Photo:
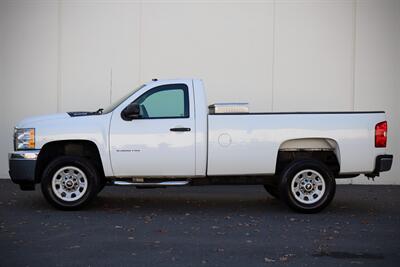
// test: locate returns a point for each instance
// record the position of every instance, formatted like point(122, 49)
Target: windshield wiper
point(99, 111)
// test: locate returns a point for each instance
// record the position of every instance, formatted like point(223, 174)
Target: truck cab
point(165, 125)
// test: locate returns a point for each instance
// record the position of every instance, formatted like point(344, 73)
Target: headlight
point(24, 138)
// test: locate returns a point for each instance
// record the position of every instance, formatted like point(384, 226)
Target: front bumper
point(22, 166)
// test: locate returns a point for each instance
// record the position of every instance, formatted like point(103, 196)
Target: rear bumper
point(383, 163)
point(22, 165)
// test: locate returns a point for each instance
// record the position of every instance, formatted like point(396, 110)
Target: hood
point(29, 122)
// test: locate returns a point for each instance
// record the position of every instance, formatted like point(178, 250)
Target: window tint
point(168, 101)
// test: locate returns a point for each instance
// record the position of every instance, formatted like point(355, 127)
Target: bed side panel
point(249, 144)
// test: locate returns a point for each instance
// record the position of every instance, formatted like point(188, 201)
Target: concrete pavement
point(200, 226)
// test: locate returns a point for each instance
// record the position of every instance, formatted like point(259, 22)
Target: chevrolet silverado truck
point(164, 134)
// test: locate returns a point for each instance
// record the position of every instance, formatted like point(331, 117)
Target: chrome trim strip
point(166, 183)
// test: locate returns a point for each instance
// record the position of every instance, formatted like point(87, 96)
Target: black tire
point(294, 170)
point(272, 190)
point(84, 165)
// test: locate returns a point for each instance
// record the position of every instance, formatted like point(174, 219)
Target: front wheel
point(307, 186)
point(69, 183)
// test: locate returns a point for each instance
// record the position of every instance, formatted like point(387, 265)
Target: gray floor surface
point(200, 226)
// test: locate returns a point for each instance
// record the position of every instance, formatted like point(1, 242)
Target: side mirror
point(131, 112)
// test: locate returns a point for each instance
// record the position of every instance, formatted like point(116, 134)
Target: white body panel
point(62, 127)
point(223, 144)
point(249, 144)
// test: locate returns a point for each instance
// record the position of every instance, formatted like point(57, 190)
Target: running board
point(166, 183)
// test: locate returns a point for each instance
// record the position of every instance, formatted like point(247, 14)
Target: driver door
point(161, 142)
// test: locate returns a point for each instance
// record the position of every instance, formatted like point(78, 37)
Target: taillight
point(381, 134)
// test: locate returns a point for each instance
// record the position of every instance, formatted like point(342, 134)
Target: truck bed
point(247, 143)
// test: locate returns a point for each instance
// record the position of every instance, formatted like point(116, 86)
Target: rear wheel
point(307, 186)
point(69, 182)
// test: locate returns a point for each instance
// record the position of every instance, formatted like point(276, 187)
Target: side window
point(166, 101)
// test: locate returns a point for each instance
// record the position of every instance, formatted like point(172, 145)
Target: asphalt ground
point(200, 226)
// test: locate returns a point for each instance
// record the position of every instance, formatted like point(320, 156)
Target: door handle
point(180, 129)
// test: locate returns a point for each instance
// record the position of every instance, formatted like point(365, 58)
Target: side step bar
point(165, 183)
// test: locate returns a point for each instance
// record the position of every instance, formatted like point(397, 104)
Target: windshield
point(122, 99)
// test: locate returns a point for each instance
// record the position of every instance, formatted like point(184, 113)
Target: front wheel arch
point(80, 148)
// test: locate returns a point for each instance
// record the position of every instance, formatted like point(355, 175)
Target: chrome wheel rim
point(69, 183)
point(308, 186)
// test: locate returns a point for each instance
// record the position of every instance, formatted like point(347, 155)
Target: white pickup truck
point(164, 134)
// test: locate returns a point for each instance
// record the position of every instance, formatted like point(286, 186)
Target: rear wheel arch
point(325, 150)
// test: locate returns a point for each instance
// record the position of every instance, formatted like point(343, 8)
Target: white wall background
point(304, 55)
